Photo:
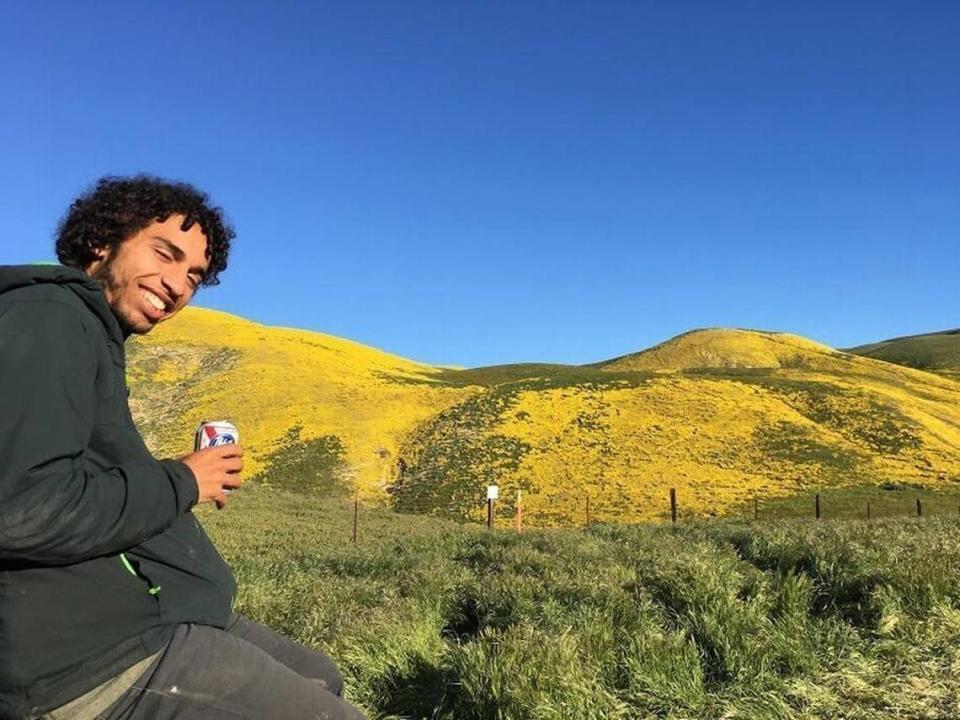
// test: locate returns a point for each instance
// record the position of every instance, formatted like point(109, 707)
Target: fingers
point(232, 481)
point(226, 451)
point(217, 471)
point(227, 462)
point(230, 462)
point(231, 466)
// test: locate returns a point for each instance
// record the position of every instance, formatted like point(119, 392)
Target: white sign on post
point(493, 492)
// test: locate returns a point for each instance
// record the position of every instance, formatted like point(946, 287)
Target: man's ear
point(101, 256)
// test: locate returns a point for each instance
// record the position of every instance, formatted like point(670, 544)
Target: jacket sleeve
point(56, 505)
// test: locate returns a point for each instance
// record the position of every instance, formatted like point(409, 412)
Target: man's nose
point(176, 284)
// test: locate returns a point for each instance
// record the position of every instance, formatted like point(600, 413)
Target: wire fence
point(861, 504)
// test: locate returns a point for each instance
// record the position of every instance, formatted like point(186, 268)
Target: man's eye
point(164, 255)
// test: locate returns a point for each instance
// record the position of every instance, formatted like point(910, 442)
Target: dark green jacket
point(78, 487)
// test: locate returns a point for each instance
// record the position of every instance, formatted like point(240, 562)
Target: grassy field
point(708, 619)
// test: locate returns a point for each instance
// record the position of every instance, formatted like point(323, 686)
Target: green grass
point(721, 619)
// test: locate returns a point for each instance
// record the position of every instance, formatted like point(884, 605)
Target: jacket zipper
point(153, 590)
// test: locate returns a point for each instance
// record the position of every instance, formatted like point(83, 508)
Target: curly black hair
point(118, 207)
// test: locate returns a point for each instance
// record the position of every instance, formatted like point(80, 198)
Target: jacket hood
point(76, 281)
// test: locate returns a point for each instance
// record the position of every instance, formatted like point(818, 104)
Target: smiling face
point(152, 274)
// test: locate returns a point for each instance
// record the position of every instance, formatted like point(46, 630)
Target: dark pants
point(246, 671)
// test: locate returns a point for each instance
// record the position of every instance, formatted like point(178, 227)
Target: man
point(114, 604)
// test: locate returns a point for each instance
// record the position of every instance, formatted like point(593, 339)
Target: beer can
point(214, 433)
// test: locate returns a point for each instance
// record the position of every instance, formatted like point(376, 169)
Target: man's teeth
point(154, 300)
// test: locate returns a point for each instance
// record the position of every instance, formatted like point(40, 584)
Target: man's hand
point(217, 469)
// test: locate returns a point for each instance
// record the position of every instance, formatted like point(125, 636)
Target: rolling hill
point(937, 352)
point(723, 348)
point(721, 415)
point(317, 412)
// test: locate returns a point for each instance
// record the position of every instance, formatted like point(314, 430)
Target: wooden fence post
point(673, 505)
point(519, 511)
point(868, 509)
point(356, 511)
point(588, 511)
point(490, 502)
point(816, 511)
point(919, 508)
point(756, 509)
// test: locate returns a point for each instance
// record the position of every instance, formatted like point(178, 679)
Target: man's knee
point(323, 670)
point(306, 662)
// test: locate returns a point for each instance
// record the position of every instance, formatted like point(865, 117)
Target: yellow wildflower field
point(721, 415)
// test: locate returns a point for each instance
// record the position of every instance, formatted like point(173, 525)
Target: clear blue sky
point(491, 182)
